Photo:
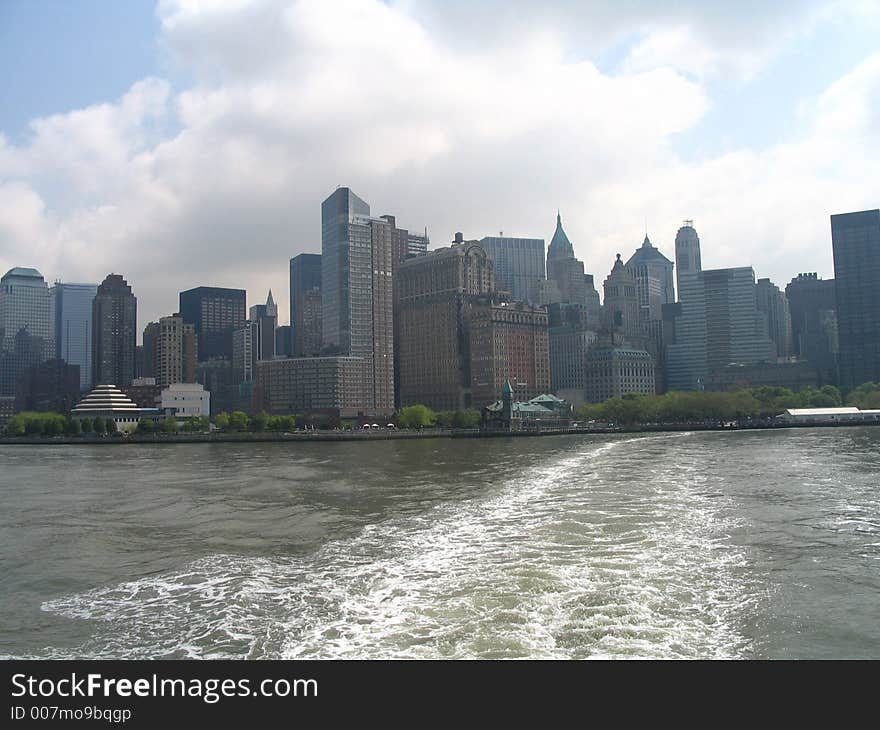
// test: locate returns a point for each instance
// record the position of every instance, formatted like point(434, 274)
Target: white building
point(187, 400)
point(845, 414)
point(107, 401)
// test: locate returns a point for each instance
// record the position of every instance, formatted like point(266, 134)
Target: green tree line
point(683, 407)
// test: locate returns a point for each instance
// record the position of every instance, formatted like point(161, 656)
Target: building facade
point(52, 385)
point(357, 295)
point(565, 273)
point(312, 384)
point(305, 304)
point(612, 372)
point(432, 319)
point(773, 303)
point(72, 304)
point(687, 254)
point(173, 348)
point(814, 334)
point(508, 342)
point(518, 264)
point(620, 311)
point(185, 400)
point(114, 332)
point(719, 324)
point(856, 242)
point(570, 338)
point(26, 325)
point(215, 313)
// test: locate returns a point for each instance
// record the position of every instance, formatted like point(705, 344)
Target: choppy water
point(750, 544)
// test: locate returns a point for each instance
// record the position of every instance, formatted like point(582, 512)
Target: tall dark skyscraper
point(305, 304)
point(114, 328)
point(856, 241)
point(216, 313)
point(814, 335)
point(73, 327)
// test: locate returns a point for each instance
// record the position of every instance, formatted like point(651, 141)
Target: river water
point(762, 544)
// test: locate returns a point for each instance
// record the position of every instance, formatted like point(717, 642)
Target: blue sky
point(58, 55)
point(210, 131)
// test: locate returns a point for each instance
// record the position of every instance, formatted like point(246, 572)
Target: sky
point(188, 143)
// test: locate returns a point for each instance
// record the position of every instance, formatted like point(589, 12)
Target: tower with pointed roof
point(620, 311)
point(564, 270)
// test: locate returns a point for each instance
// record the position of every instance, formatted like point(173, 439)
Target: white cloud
point(220, 183)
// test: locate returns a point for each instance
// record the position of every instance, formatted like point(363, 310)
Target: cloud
point(220, 183)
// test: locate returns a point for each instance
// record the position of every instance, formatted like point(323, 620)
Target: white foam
point(572, 559)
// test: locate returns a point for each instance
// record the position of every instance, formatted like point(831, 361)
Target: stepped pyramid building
point(108, 401)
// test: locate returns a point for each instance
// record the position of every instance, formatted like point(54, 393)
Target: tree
point(238, 421)
point(469, 418)
point(111, 425)
point(72, 427)
point(169, 425)
point(222, 420)
point(53, 426)
point(98, 425)
point(145, 425)
point(865, 397)
point(86, 425)
point(259, 422)
point(417, 416)
point(832, 392)
point(15, 426)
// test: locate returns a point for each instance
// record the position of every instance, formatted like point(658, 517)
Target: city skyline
point(616, 116)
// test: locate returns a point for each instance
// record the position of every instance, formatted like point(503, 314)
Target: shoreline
point(399, 435)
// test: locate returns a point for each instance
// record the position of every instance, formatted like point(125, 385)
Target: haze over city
point(185, 143)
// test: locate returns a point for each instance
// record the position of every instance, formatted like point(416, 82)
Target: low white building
point(843, 414)
point(108, 401)
point(186, 400)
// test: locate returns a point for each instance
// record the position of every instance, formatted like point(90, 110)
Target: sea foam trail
point(579, 556)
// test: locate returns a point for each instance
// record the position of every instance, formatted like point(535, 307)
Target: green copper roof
point(23, 271)
point(560, 246)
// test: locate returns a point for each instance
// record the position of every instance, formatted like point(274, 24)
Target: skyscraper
point(719, 325)
point(814, 332)
point(620, 309)
point(508, 341)
point(305, 304)
point(357, 269)
point(254, 341)
point(687, 253)
point(215, 313)
point(518, 264)
point(26, 325)
point(774, 304)
point(432, 344)
point(654, 281)
point(174, 350)
point(114, 332)
point(73, 327)
point(564, 270)
point(264, 319)
point(856, 241)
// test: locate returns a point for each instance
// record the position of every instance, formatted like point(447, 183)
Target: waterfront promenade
point(406, 434)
